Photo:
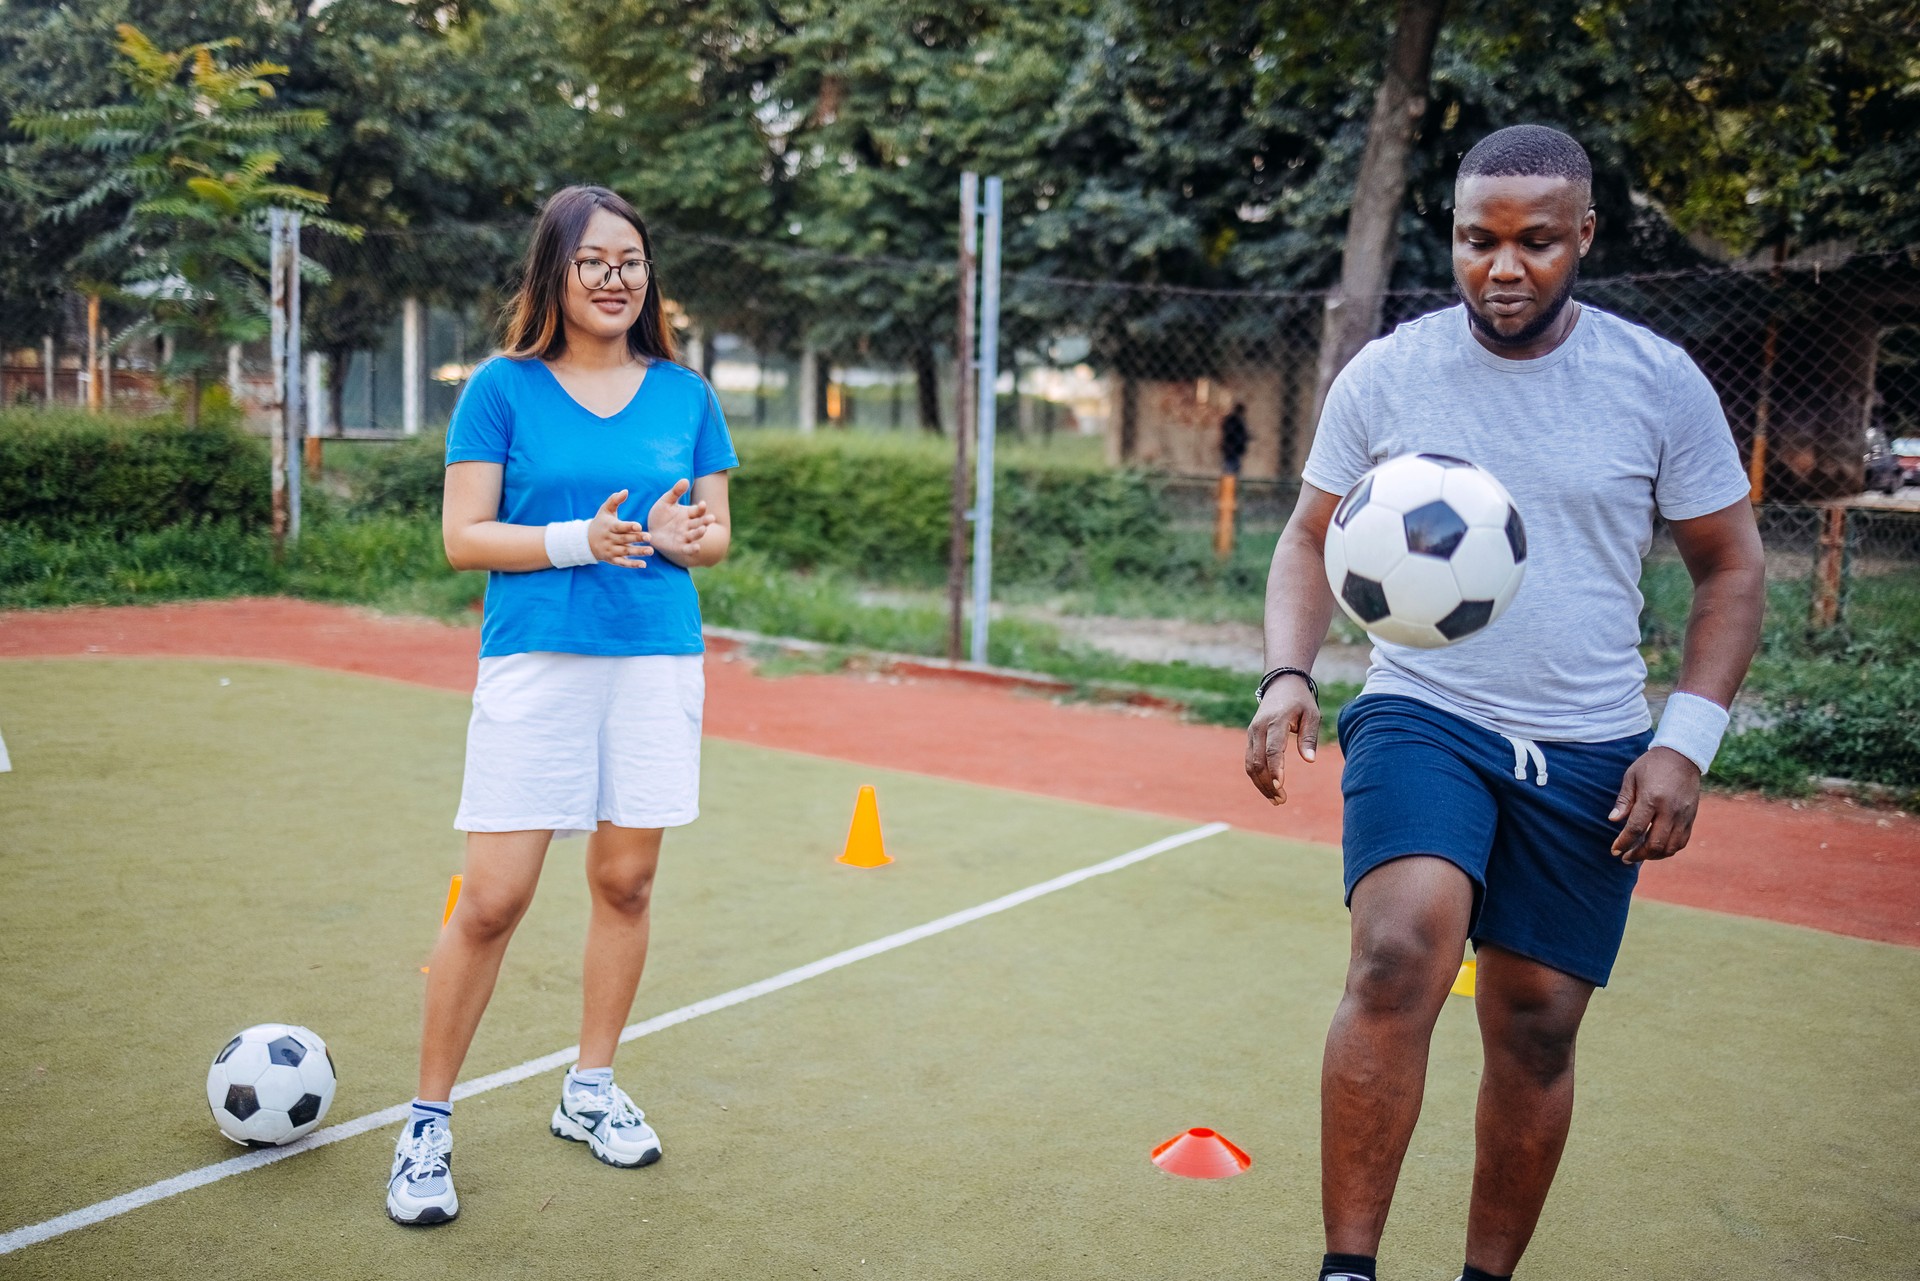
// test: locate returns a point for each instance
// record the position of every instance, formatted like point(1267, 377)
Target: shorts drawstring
point(1525, 749)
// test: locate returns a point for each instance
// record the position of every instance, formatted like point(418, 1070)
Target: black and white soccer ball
point(1426, 550)
point(270, 1085)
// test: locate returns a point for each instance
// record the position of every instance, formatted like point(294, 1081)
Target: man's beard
point(1533, 328)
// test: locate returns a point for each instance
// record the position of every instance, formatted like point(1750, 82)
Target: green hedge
point(405, 478)
point(877, 508)
point(1845, 718)
point(70, 474)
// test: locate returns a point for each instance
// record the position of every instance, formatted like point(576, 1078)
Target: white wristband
point(1692, 726)
point(567, 544)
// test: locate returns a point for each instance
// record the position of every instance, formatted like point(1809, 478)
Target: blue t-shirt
point(561, 462)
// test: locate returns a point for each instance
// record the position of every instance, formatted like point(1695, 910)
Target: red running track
point(1828, 865)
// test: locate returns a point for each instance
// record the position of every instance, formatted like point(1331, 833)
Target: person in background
point(1233, 439)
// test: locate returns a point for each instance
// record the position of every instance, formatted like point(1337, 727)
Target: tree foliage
point(191, 160)
point(1210, 144)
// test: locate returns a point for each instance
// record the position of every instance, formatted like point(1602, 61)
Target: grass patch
point(822, 518)
point(1843, 703)
point(389, 563)
point(751, 593)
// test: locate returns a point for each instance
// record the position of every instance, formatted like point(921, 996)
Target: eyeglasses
point(597, 274)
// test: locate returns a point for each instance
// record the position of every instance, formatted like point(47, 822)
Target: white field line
point(32, 1234)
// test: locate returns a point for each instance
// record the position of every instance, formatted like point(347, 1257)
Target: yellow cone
point(1463, 982)
point(865, 848)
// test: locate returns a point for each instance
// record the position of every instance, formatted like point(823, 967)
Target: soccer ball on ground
point(1425, 550)
point(270, 1085)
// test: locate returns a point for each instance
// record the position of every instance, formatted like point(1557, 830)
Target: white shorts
point(567, 741)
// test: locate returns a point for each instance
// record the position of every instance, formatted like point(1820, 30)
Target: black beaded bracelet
point(1260, 691)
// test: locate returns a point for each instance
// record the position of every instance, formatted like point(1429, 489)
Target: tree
point(838, 130)
point(1373, 225)
point(446, 128)
point(192, 154)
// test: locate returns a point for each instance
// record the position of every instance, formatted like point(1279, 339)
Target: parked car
point(1906, 449)
point(1883, 465)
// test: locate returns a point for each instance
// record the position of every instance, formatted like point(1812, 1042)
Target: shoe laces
point(427, 1146)
point(622, 1112)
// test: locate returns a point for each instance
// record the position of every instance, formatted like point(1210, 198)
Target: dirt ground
point(1828, 865)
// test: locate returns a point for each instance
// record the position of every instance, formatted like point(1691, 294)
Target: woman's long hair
point(534, 321)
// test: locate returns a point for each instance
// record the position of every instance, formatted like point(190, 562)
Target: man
point(1506, 789)
point(1233, 440)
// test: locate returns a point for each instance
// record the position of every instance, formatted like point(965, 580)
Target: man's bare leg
point(1529, 1017)
point(1410, 921)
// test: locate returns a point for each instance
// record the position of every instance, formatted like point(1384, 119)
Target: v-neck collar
point(645, 373)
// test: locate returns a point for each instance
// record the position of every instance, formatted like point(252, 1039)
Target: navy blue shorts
point(1419, 780)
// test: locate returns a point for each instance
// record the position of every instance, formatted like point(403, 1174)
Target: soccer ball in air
point(1426, 550)
point(270, 1085)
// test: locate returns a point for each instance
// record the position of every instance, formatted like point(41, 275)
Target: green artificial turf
point(183, 857)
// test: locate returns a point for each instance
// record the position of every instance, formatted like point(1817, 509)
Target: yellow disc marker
point(1463, 982)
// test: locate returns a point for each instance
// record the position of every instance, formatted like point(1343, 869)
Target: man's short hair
point(1530, 151)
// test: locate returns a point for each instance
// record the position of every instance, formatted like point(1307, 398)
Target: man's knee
point(1534, 1032)
point(1409, 927)
point(1394, 971)
point(1538, 1040)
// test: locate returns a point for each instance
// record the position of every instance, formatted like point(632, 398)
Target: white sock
point(596, 1079)
point(428, 1110)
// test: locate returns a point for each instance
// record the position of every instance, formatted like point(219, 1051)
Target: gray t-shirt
point(1589, 439)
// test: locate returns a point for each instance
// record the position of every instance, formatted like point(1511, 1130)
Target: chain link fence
point(1817, 362)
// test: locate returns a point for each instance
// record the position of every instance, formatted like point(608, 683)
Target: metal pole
point(293, 409)
point(277, 431)
point(233, 373)
point(412, 375)
point(313, 391)
point(93, 352)
point(809, 387)
point(46, 362)
point(989, 375)
point(962, 420)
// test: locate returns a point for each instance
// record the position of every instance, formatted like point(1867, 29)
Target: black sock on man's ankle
point(1475, 1274)
point(1348, 1265)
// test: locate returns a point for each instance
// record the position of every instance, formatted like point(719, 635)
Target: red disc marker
point(1201, 1154)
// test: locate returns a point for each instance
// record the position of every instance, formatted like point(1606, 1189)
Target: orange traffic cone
point(453, 896)
point(1201, 1154)
point(864, 846)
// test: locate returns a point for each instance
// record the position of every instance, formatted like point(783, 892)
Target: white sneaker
point(608, 1123)
point(420, 1189)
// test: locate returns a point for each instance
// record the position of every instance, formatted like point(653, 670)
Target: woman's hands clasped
point(616, 541)
point(674, 529)
point(677, 528)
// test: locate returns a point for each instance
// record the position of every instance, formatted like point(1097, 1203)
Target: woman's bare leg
point(502, 869)
point(620, 867)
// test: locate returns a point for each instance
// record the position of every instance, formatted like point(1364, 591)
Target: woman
point(586, 716)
